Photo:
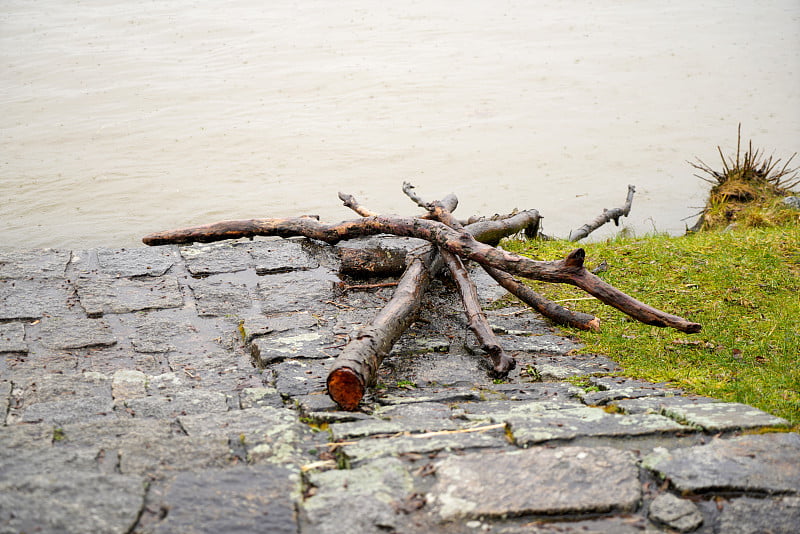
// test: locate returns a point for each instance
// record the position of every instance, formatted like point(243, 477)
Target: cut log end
point(346, 388)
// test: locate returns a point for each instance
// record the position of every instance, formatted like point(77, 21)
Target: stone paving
point(182, 389)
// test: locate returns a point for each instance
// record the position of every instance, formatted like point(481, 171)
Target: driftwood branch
point(356, 368)
point(567, 271)
point(606, 217)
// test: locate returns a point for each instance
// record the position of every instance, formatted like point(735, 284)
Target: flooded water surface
point(123, 118)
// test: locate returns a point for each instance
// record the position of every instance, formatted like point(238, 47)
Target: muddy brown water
point(123, 118)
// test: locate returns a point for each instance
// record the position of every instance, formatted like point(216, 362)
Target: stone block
point(128, 384)
point(192, 401)
point(75, 332)
point(747, 515)
point(282, 256)
point(12, 338)
point(424, 445)
point(375, 487)
point(69, 411)
point(301, 377)
point(292, 344)
point(221, 298)
point(296, 291)
point(566, 480)
point(239, 499)
point(151, 261)
point(208, 259)
point(585, 422)
point(763, 463)
point(565, 366)
point(269, 435)
point(679, 514)
point(717, 416)
point(29, 264)
point(71, 501)
point(31, 299)
point(101, 294)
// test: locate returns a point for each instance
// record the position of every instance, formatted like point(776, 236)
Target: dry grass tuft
point(748, 190)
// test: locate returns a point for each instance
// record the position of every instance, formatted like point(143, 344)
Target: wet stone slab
point(42, 264)
point(552, 367)
point(450, 369)
point(31, 299)
point(73, 501)
point(75, 332)
point(5, 394)
point(12, 338)
point(659, 404)
point(375, 487)
point(158, 458)
point(239, 499)
point(220, 298)
point(622, 524)
point(616, 388)
point(765, 463)
point(747, 515)
point(418, 417)
point(101, 294)
point(296, 291)
point(715, 416)
point(58, 387)
point(679, 514)
point(568, 480)
point(155, 334)
point(204, 260)
point(255, 326)
point(588, 422)
point(423, 445)
point(269, 435)
point(283, 256)
point(292, 344)
point(192, 401)
point(295, 378)
point(134, 262)
point(69, 411)
point(540, 343)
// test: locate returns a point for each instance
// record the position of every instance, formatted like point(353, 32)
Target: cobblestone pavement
point(182, 390)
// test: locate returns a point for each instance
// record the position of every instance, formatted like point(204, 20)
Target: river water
point(122, 118)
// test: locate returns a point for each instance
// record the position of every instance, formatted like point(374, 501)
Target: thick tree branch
point(356, 368)
point(568, 271)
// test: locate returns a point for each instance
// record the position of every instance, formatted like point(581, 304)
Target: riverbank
point(741, 285)
point(181, 389)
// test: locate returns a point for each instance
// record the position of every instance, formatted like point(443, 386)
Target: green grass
point(743, 286)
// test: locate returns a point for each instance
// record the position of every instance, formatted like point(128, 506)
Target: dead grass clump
point(748, 190)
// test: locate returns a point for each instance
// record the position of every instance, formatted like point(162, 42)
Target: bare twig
point(605, 217)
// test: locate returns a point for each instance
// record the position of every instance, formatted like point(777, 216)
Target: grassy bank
point(743, 286)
